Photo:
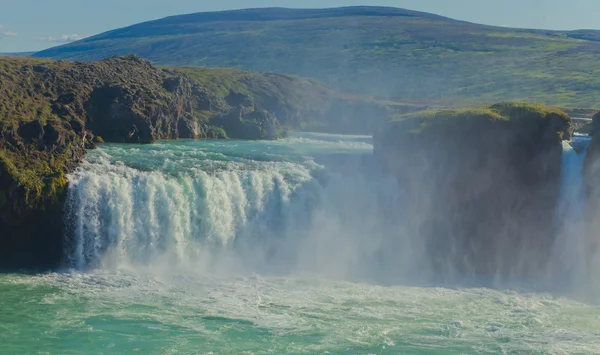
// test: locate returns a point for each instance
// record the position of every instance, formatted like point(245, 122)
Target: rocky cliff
point(298, 103)
point(482, 184)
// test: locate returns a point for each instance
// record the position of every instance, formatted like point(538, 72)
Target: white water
point(221, 209)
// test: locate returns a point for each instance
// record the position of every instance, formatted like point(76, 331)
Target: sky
point(31, 25)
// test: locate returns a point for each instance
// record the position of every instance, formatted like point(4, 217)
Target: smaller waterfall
point(570, 244)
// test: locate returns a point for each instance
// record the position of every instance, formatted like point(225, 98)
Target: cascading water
point(570, 249)
point(142, 215)
point(262, 206)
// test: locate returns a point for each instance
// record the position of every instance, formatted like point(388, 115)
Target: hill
point(381, 52)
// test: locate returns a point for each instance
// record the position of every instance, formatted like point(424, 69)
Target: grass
point(42, 177)
point(518, 113)
point(376, 52)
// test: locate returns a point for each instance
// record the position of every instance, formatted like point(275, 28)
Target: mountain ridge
point(381, 52)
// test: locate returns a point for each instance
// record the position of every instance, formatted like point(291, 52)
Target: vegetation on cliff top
point(409, 56)
point(517, 113)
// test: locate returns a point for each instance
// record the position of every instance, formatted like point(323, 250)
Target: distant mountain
point(377, 51)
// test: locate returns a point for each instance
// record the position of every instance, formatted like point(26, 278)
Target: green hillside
point(375, 51)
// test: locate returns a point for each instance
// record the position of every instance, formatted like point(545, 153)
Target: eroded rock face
point(112, 114)
point(248, 123)
point(481, 189)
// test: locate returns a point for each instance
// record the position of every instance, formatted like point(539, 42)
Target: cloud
point(63, 38)
point(4, 32)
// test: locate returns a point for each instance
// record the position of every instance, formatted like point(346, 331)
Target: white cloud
point(63, 38)
point(4, 32)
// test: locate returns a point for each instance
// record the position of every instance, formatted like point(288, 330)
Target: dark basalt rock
point(31, 131)
point(111, 114)
point(52, 138)
point(189, 129)
point(172, 84)
point(246, 123)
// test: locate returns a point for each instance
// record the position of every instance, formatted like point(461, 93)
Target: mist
point(337, 215)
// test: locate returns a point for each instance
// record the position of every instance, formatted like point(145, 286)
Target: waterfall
point(295, 206)
point(127, 208)
point(139, 216)
point(570, 243)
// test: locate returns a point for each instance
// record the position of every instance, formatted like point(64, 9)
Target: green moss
point(40, 175)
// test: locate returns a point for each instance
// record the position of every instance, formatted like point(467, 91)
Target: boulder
point(595, 124)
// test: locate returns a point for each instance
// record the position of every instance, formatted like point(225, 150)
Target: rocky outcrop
point(481, 186)
point(249, 123)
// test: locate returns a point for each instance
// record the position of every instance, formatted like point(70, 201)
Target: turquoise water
point(123, 313)
point(235, 247)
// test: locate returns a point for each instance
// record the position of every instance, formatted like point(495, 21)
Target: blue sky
point(28, 25)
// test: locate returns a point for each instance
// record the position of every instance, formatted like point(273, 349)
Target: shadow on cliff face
point(33, 242)
point(481, 194)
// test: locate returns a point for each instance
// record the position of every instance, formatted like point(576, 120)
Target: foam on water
point(187, 313)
